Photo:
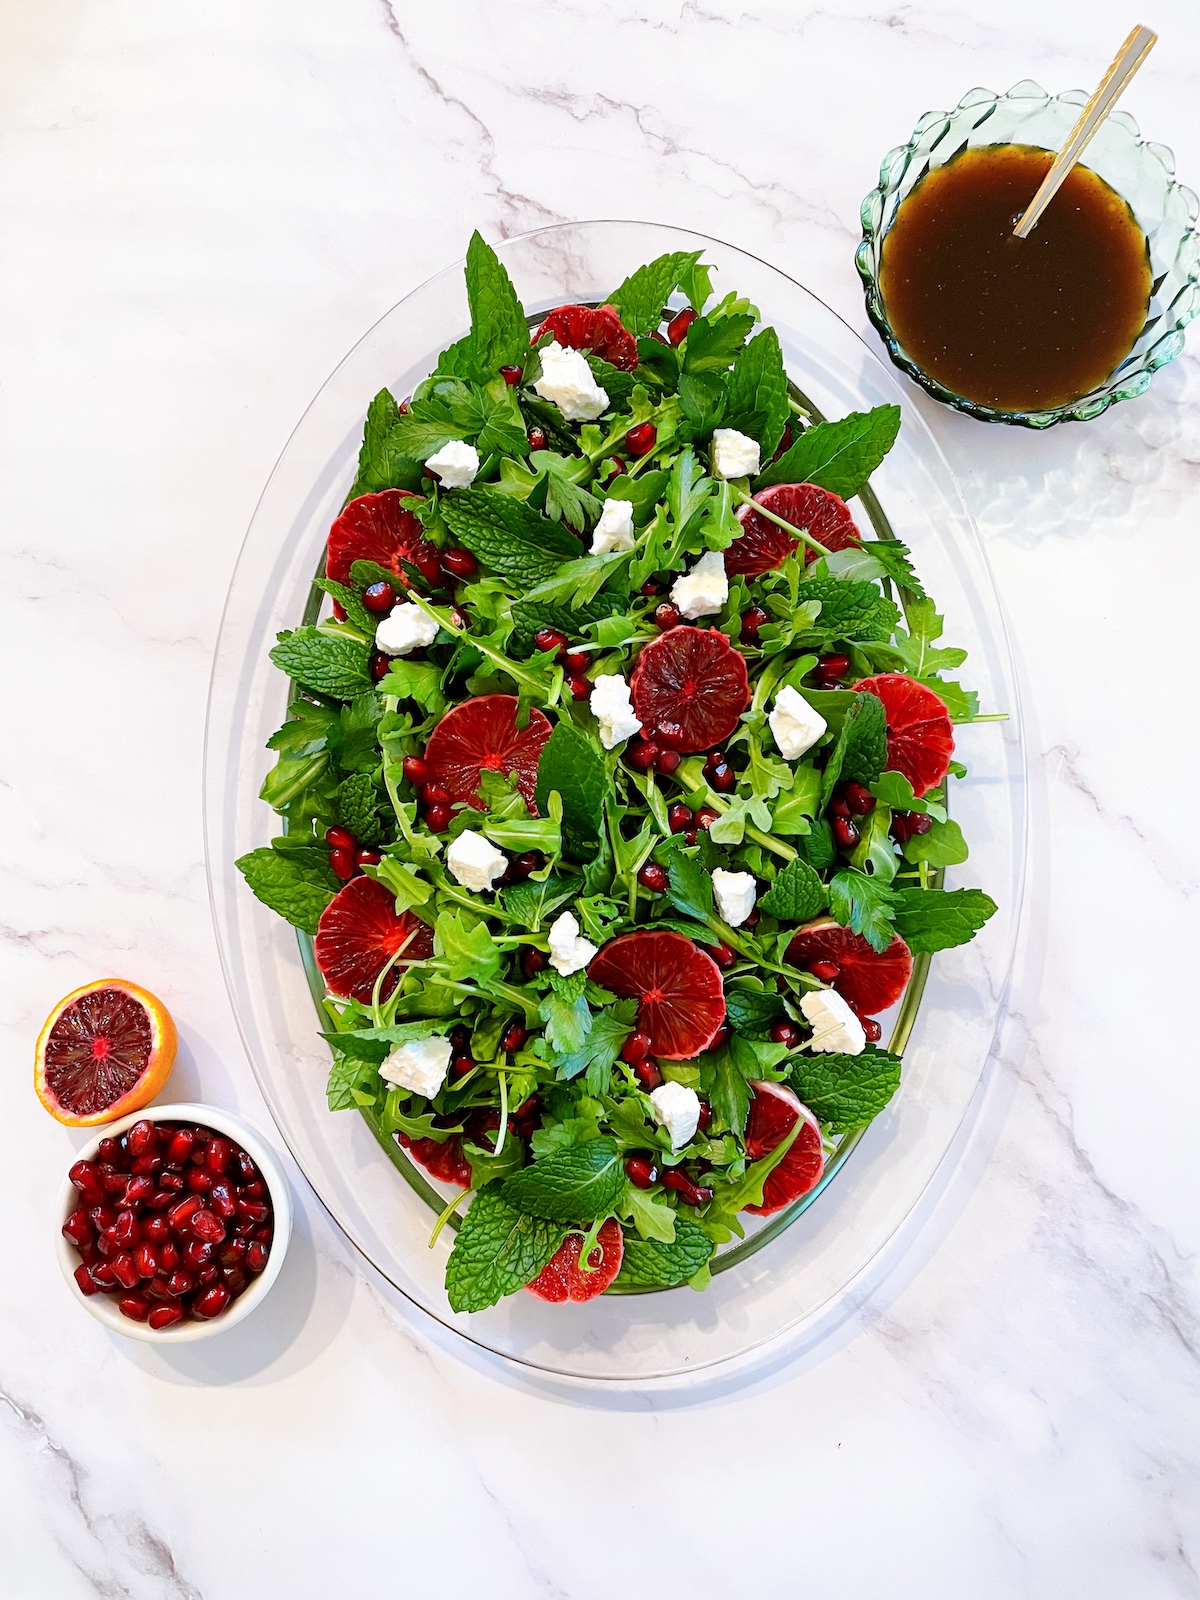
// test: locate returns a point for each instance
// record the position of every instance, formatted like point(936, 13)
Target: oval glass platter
point(794, 1268)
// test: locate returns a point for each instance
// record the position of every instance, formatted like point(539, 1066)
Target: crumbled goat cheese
point(419, 1065)
point(795, 724)
point(735, 893)
point(475, 861)
point(704, 589)
point(455, 463)
point(568, 383)
point(614, 531)
point(734, 455)
point(405, 628)
point(569, 950)
point(677, 1108)
point(835, 1027)
point(613, 709)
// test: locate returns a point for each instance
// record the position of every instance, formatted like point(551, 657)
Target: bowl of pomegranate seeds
point(174, 1223)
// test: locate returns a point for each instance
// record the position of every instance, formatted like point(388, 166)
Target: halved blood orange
point(920, 735)
point(774, 1110)
point(595, 328)
point(482, 734)
point(562, 1278)
point(869, 980)
point(375, 527)
point(105, 1050)
point(763, 545)
point(442, 1160)
point(681, 1003)
point(358, 934)
point(693, 679)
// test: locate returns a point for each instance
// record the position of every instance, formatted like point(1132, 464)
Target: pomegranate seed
point(785, 444)
point(785, 1032)
point(157, 1289)
point(838, 806)
point(512, 375)
point(574, 663)
point(336, 839)
point(513, 1037)
point(437, 819)
point(667, 616)
point(649, 589)
point(168, 1257)
point(124, 1231)
point(460, 1066)
point(834, 666)
point(722, 955)
point(652, 877)
point(919, 822)
point(87, 1284)
point(752, 620)
point(102, 1273)
point(145, 1260)
point(416, 771)
point(705, 817)
point(379, 596)
point(459, 563)
point(722, 1036)
point(180, 1147)
point(367, 858)
point(524, 866)
point(256, 1257)
point(712, 760)
point(222, 1199)
point(427, 559)
point(750, 920)
point(112, 1182)
point(146, 1166)
point(108, 1151)
point(679, 817)
point(658, 338)
point(899, 828)
point(156, 1229)
point(641, 1171)
point(134, 1307)
point(212, 1302)
point(845, 833)
point(722, 778)
point(219, 1155)
point(872, 1029)
point(641, 440)
point(169, 1181)
point(670, 734)
point(196, 1253)
point(183, 1211)
point(180, 1283)
point(140, 1138)
point(209, 1274)
point(87, 1180)
point(550, 639)
point(198, 1180)
point(533, 961)
point(78, 1228)
point(537, 438)
point(580, 688)
point(380, 665)
point(342, 863)
point(704, 1120)
point(641, 754)
point(244, 1163)
point(647, 1074)
point(667, 762)
point(124, 1271)
point(678, 326)
point(824, 971)
point(165, 1316)
point(859, 798)
point(636, 1048)
point(690, 1193)
point(254, 1210)
point(460, 1038)
point(434, 795)
point(207, 1226)
point(234, 1280)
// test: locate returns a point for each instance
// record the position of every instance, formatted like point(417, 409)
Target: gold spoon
point(1128, 59)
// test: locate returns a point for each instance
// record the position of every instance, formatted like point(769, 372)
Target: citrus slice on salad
point(442, 1159)
point(359, 933)
point(564, 1278)
point(774, 1111)
point(375, 527)
point(693, 682)
point(763, 545)
point(106, 1049)
point(920, 735)
point(482, 734)
point(595, 328)
point(867, 979)
point(681, 1003)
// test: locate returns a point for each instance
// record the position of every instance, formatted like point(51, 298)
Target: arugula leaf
point(732, 1067)
point(532, 900)
point(846, 1092)
point(942, 846)
point(415, 680)
point(499, 332)
point(608, 1032)
point(797, 894)
point(376, 1044)
point(650, 1214)
point(757, 395)
point(307, 725)
point(559, 488)
point(748, 1189)
point(508, 535)
point(498, 1250)
point(860, 753)
point(576, 1185)
point(357, 803)
point(571, 764)
point(713, 342)
point(351, 1083)
point(690, 888)
point(751, 1012)
point(642, 296)
point(864, 906)
point(328, 663)
point(896, 560)
point(576, 582)
point(382, 463)
point(917, 649)
point(797, 809)
point(465, 946)
point(297, 888)
point(653, 1265)
point(568, 619)
point(939, 919)
point(894, 790)
point(838, 456)
point(565, 1012)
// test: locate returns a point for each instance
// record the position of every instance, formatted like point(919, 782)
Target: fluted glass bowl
point(1141, 172)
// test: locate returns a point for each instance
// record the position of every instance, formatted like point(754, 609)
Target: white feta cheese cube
point(456, 464)
point(419, 1065)
point(614, 531)
point(735, 894)
point(836, 1030)
point(567, 382)
point(475, 861)
point(613, 709)
point(704, 589)
point(405, 628)
point(569, 950)
point(677, 1108)
point(795, 724)
point(734, 454)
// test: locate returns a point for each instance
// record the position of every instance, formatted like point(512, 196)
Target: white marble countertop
point(205, 206)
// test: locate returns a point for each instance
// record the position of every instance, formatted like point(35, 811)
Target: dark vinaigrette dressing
point(1017, 324)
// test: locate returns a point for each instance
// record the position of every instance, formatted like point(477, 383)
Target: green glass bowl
point(1141, 172)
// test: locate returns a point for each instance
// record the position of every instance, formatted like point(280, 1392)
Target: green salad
point(614, 785)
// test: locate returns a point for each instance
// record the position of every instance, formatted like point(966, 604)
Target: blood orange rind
point(595, 328)
point(482, 734)
point(681, 1000)
point(694, 678)
point(869, 980)
point(106, 1049)
point(375, 527)
point(442, 1159)
point(774, 1110)
point(920, 734)
point(562, 1278)
point(763, 545)
point(359, 932)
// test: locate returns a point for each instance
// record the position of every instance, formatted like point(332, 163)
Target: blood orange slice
point(483, 734)
point(359, 933)
point(444, 1161)
point(692, 678)
point(562, 1278)
point(598, 329)
point(920, 735)
point(105, 1050)
point(763, 545)
point(774, 1110)
point(869, 980)
point(681, 1003)
point(375, 527)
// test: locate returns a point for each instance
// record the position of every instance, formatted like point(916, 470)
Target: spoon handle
point(1128, 59)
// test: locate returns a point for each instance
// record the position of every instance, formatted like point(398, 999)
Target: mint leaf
point(838, 456)
point(797, 894)
point(357, 803)
point(732, 1067)
point(942, 846)
point(939, 919)
point(846, 1092)
point(382, 463)
point(499, 331)
point(641, 298)
point(532, 900)
point(328, 663)
point(571, 764)
point(690, 886)
point(850, 609)
point(751, 1012)
point(376, 1044)
point(608, 1032)
point(757, 393)
point(860, 753)
point(508, 536)
point(864, 906)
point(351, 1083)
point(528, 618)
point(576, 1185)
point(712, 343)
point(617, 385)
point(651, 1264)
point(497, 1251)
point(297, 888)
